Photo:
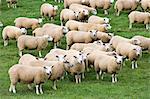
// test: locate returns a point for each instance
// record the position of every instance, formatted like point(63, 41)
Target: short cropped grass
point(132, 84)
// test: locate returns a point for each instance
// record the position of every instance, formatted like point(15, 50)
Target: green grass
point(132, 84)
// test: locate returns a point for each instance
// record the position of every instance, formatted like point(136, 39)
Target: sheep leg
point(5, 42)
point(8, 5)
point(118, 13)
point(20, 53)
point(55, 45)
point(83, 75)
point(79, 78)
point(54, 85)
point(76, 78)
point(136, 64)
point(101, 73)
point(130, 25)
point(37, 89)
point(147, 27)
point(40, 55)
point(29, 86)
point(105, 12)
point(12, 88)
point(87, 67)
point(97, 75)
point(113, 78)
point(133, 64)
point(41, 91)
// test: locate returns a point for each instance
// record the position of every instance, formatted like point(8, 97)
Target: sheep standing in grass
point(80, 37)
point(139, 17)
point(67, 14)
point(145, 42)
point(12, 32)
point(145, 4)
point(28, 74)
point(112, 66)
point(48, 10)
point(130, 51)
point(104, 4)
point(98, 20)
point(27, 22)
point(125, 5)
point(79, 6)
point(11, 3)
point(31, 42)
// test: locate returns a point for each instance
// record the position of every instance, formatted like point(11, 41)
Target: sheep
point(145, 4)
point(139, 17)
point(30, 42)
point(104, 37)
point(117, 39)
point(67, 3)
point(57, 71)
point(12, 32)
point(90, 26)
point(145, 42)
point(90, 9)
point(12, 3)
point(27, 74)
point(112, 66)
point(72, 24)
point(48, 10)
point(105, 4)
point(98, 20)
point(27, 22)
point(130, 51)
point(80, 37)
point(67, 14)
point(125, 5)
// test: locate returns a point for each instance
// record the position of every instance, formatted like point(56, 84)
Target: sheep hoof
point(54, 88)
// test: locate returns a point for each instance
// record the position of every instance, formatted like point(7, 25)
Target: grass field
point(132, 84)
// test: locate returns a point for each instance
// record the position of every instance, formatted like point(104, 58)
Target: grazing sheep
point(67, 14)
point(139, 17)
point(23, 22)
point(90, 26)
point(80, 37)
point(48, 10)
point(28, 74)
point(117, 39)
point(112, 66)
point(79, 6)
point(72, 24)
point(11, 3)
point(12, 32)
point(130, 51)
point(145, 4)
point(145, 42)
point(98, 20)
point(30, 42)
point(125, 5)
point(104, 4)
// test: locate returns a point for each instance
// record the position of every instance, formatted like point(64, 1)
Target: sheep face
point(55, 8)
point(40, 20)
point(94, 11)
point(93, 34)
point(138, 51)
point(23, 31)
point(99, 42)
point(135, 41)
point(119, 59)
point(61, 58)
point(49, 38)
point(48, 70)
point(76, 14)
point(85, 12)
point(106, 20)
point(107, 26)
point(65, 30)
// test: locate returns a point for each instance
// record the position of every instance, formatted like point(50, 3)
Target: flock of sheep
point(88, 42)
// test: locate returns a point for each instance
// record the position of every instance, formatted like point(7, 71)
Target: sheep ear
point(65, 56)
point(88, 54)
point(57, 56)
point(115, 56)
point(52, 66)
point(74, 56)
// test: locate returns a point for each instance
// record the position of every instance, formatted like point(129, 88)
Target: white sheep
point(145, 4)
point(67, 14)
point(130, 51)
point(30, 42)
point(112, 66)
point(145, 42)
point(125, 5)
point(12, 32)
point(27, 22)
point(90, 9)
point(98, 20)
point(139, 17)
point(48, 10)
point(104, 4)
point(12, 3)
point(28, 74)
point(80, 37)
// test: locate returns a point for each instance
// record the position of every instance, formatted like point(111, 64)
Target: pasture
point(132, 84)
